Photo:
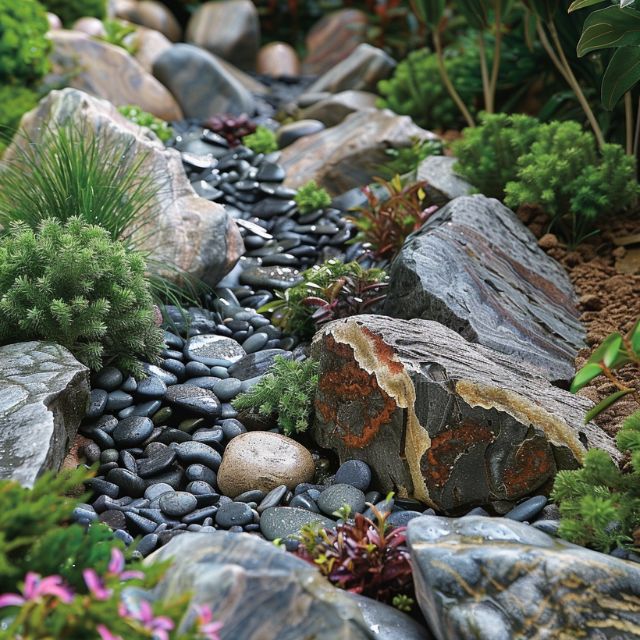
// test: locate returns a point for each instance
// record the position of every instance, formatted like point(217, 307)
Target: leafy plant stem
point(628, 112)
point(496, 55)
point(486, 89)
point(437, 43)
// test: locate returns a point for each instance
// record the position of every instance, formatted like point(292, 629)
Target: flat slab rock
point(259, 591)
point(443, 420)
point(43, 397)
point(477, 269)
point(496, 579)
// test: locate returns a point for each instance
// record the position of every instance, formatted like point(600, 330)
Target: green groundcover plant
point(262, 140)
point(287, 391)
point(71, 284)
point(71, 10)
point(311, 197)
point(145, 119)
point(117, 33)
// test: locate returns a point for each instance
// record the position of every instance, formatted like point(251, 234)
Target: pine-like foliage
point(488, 154)
point(287, 390)
point(600, 504)
point(311, 197)
point(71, 284)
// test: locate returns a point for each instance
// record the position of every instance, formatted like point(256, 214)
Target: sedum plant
point(71, 10)
point(362, 556)
point(232, 128)
point(600, 504)
point(328, 292)
point(262, 140)
point(23, 44)
point(145, 119)
point(488, 154)
point(287, 391)
point(311, 197)
point(71, 284)
point(566, 175)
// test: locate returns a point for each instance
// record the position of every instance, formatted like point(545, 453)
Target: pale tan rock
point(228, 28)
point(335, 108)
point(149, 45)
point(278, 59)
point(156, 16)
point(185, 230)
point(350, 154)
point(54, 21)
point(90, 26)
point(263, 460)
point(122, 9)
point(109, 72)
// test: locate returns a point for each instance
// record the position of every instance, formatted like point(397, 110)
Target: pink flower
point(206, 626)
point(159, 625)
point(105, 634)
point(35, 588)
point(116, 566)
point(95, 585)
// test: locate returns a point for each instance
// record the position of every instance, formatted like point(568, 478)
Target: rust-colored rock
point(109, 72)
point(450, 423)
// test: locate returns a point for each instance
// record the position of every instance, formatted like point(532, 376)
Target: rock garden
point(319, 320)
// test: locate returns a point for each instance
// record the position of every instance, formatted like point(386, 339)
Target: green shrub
point(262, 140)
point(311, 197)
point(70, 283)
point(70, 10)
point(329, 291)
point(569, 179)
point(287, 390)
point(15, 101)
point(488, 154)
point(145, 119)
point(404, 160)
point(23, 43)
point(600, 504)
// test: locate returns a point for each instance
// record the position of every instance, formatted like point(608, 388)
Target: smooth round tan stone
point(278, 59)
point(91, 26)
point(154, 15)
point(263, 460)
point(54, 21)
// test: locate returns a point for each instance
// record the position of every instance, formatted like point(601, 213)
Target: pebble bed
point(160, 441)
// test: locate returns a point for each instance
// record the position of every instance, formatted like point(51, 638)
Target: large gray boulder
point(201, 83)
point(437, 418)
point(259, 591)
point(496, 579)
point(43, 397)
point(477, 269)
point(182, 229)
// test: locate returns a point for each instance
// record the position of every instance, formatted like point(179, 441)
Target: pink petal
point(204, 613)
point(132, 575)
point(116, 565)
point(11, 600)
point(145, 614)
point(31, 582)
point(105, 634)
point(94, 584)
point(54, 586)
point(162, 622)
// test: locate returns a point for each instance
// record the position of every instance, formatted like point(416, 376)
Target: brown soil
point(608, 295)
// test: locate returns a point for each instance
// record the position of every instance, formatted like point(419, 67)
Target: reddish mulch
point(609, 299)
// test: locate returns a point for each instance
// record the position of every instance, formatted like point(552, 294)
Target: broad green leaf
point(634, 337)
point(585, 376)
point(429, 12)
point(475, 12)
point(598, 355)
point(605, 404)
point(610, 27)
point(583, 4)
point(612, 351)
point(622, 74)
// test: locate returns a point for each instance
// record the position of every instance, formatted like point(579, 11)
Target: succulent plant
point(231, 128)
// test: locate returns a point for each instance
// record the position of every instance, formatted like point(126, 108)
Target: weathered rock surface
point(263, 460)
point(278, 59)
point(228, 28)
point(156, 16)
point(109, 72)
point(437, 418)
point(335, 108)
point(444, 184)
point(333, 38)
point(350, 154)
point(360, 71)
point(495, 579)
point(43, 397)
point(196, 235)
point(149, 46)
point(200, 83)
point(477, 269)
point(259, 591)
point(288, 133)
point(90, 26)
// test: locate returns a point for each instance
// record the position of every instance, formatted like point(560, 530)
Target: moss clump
point(71, 284)
point(145, 119)
point(262, 140)
point(311, 197)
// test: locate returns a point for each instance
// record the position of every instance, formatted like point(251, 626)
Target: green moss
point(71, 10)
point(71, 284)
point(311, 197)
point(15, 101)
point(144, 119)
point(262, 140)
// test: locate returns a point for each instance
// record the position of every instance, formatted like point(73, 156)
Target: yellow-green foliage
point(71, 284)
point(70, 10)
point(262, 140)
point(311, 197)
point(145, 119)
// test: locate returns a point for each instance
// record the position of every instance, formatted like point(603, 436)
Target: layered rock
point(350, 154)
point(477, 269)
point(109, 72)
point(360, 71)
point(335, 108)
point(181, 229)
point(200, 83)
point(43, 397)
point(437, 418)
point(228, 28)
point(443, 184)
point(496, 579)
point(258, 591)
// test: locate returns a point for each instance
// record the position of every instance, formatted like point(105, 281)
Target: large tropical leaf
point(610, 27)
point(583, 4)
point(622, 74)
